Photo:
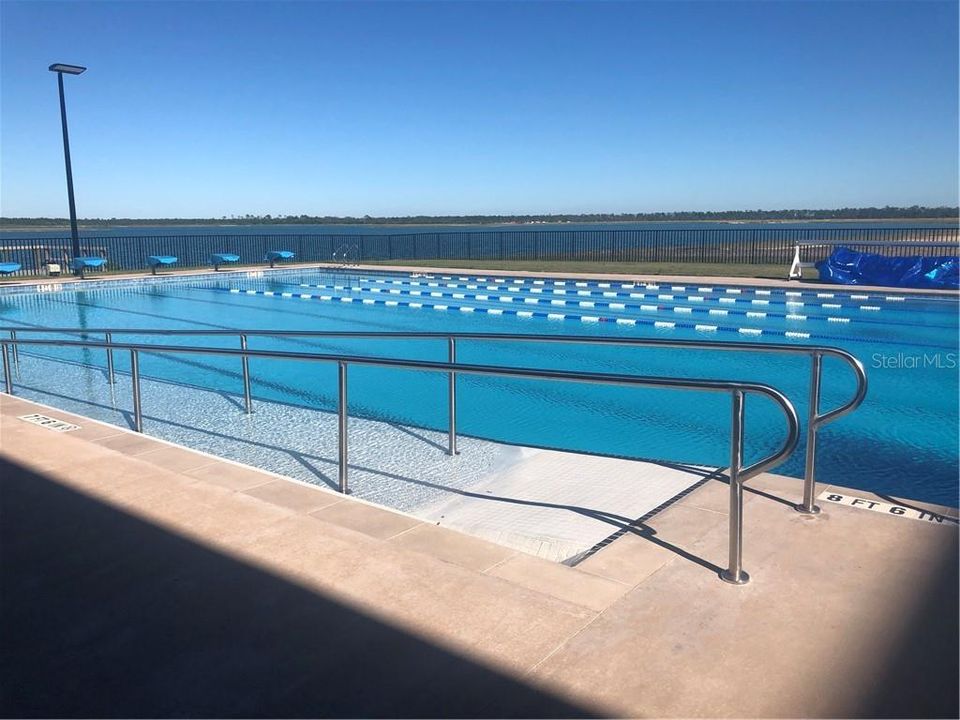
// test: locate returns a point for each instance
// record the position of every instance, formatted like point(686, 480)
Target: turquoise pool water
point(902, 441)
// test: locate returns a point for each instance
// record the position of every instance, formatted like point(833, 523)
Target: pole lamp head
point(68, 69)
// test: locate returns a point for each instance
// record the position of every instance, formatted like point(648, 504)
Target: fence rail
point(738, 473)
point(752, 246)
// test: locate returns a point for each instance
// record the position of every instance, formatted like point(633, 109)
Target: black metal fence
point(698, 245)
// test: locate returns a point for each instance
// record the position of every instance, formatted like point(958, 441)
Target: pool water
point(902, 441)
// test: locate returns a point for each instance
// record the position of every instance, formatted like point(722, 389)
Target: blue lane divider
point(571, 302)
point(691, 287)
point(663, 324)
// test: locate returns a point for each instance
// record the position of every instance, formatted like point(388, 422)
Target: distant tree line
point(915, 212)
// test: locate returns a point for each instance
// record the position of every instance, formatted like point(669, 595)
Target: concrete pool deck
point(140, 578)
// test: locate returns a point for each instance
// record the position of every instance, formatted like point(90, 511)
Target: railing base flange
point(728, 577)
point(800, 508)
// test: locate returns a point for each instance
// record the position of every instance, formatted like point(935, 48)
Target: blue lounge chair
point(218, 259)
point(9, 267)
point(273, 255)
point(79, 264)
point(156, 261)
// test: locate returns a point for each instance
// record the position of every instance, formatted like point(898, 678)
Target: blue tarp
point(848, 267)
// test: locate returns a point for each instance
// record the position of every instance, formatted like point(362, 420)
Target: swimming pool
point(901, 441)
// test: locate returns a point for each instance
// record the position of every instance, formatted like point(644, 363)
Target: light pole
point(60, 69)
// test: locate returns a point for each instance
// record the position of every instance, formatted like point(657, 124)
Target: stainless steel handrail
point(738, 474)
point(815, 420)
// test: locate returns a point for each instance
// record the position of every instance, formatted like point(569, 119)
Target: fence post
point(452, 397)
point(111, 378)
point(342, 425)
point(15, 349)
point(7, 375)
point(808, 506)
point(245, 361)
point(135, 378)
point(734, 573)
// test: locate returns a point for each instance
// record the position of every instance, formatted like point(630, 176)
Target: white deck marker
point(903, 511)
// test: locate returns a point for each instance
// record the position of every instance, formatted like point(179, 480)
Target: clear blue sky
point(204, 109)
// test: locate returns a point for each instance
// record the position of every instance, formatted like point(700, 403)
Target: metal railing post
point(135, 377)
point(808, 506)
point(16, 351)
point(452, 397)
point(111, 377)
point(7, 375)
point(245, 361)
point(734, 573)
point(342, 425)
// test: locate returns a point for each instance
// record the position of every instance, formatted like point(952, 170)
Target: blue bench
point(218, 259)
point(9, 267)
point(79, 264)
point(273, 255)
point(156, 261)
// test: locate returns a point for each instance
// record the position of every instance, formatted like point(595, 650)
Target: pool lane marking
point(680, 309)
point(498, 283)
point(509, 287)
point(604, 319)
point(654, 286)
point(791, 315)
point(661, 296)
